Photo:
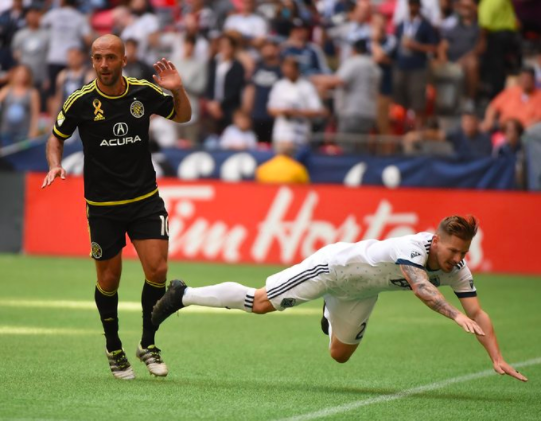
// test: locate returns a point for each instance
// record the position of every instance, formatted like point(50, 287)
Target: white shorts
point(310, 280)
point(298, 284)
point(348, 319)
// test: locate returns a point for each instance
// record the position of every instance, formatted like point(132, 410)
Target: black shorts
point(108, 225)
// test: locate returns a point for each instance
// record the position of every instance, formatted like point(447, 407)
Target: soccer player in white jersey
point(350, 276)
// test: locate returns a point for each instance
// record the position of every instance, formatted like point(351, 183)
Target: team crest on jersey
point(288, 302)
point(98, 112)
point(471, 283)
point(96, 251)
point(60, 118)
point(137, 109)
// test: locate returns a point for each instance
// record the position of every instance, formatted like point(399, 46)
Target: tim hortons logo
point(192, 234)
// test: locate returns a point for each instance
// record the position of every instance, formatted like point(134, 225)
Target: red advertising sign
point(247, 222)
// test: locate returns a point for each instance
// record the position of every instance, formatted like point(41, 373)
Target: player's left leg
point(148, 232)
point(347, 324)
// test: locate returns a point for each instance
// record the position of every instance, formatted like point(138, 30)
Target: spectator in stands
point(430, 9)
point(11, 21)
point(68, 28)
point(356, 27)
point(225, 83)
point(510, 144)
point(461, 45)
point(522, 102)
point(416, 40)
point(502, 45)
point(256, 94)
point(202, 14)
point(239, 135)
point(286, 11)
point(469, 140)
point(252, 26)
point(73, 77)
point(194, 78)
point(143, 25)
point(382, 46)
point(172, 43)
point(30, 47)
point(20, 104)
point(310, 56)
point(357, 85)
point(134, 66)
point(282, 168)
point(293, 102)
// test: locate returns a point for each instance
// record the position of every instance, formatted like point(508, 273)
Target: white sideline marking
point(404, 394)
point(26, 330)
point(136, 307)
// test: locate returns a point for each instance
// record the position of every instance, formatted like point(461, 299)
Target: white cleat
point(153, 360)
point(119, 365)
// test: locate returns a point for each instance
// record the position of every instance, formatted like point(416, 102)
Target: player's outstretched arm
point(168, 78)
point(473, 309)
point(54, 151)
point(429, 294)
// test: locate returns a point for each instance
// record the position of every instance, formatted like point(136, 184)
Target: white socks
point(228, 295)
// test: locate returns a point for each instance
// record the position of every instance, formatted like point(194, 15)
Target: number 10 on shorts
point(165, 225)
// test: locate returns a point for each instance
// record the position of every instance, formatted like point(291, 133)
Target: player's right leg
point(108, 238)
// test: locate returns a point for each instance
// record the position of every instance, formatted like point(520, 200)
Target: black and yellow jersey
point(114, 131)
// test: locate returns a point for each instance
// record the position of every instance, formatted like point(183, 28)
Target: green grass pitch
point(235, 366)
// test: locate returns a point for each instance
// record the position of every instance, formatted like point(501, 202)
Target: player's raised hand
point(501, 367)
point(52, 174)
point(167, 75)
point(468, 324)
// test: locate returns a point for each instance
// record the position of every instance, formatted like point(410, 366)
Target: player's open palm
point(167, 75)
point(503, 368)
point(52, 174)
point(468, 324)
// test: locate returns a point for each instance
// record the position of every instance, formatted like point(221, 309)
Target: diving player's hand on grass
point(167, 75)
point(501, 367)
point(468, 324)
point(52, 174)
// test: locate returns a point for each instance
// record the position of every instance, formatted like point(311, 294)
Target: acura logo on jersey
point(120, 129)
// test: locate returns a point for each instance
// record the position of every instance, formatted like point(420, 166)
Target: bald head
point(109, 42)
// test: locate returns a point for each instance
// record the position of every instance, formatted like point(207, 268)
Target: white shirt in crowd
point(430, 9)
point(251, 26)
point(298, 95)
point(68, 27)
point(235, 138)
point(140, 30)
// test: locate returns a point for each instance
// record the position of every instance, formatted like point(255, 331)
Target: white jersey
point(364, 269)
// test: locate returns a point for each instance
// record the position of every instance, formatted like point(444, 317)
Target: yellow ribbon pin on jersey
point(98, 112)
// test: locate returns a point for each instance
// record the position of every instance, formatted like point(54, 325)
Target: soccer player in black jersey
point(113, 113)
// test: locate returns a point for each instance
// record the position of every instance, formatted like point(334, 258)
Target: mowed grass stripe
point(132, 306)
point(327, 412)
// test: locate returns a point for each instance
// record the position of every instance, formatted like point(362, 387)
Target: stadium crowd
point(340, 76)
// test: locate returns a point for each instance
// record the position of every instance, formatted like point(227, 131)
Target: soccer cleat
point(170, 303)
point(119, 365)
point(324, 322)
point(153, 360)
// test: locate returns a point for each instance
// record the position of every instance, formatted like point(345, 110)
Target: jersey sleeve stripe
point(408, 263)
point(76, 95)
point(171, 114)
point(467, 294)
point(59, 133)
point(134, 81)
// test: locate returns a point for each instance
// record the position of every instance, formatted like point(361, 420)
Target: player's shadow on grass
point(240, 385)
